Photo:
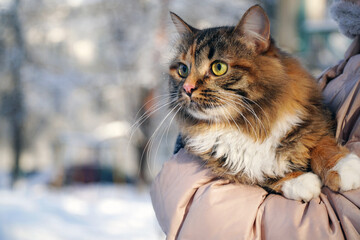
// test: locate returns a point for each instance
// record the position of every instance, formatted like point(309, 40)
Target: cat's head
point(226, 74)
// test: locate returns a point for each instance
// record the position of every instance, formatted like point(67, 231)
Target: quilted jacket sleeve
point(191, 204)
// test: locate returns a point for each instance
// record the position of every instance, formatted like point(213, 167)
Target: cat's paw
point(304, 187)
point(348, 170)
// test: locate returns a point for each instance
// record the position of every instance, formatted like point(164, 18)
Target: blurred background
point(84, 125)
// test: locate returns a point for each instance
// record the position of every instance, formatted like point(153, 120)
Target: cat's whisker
point(163, 133)
point(172, 119)
point(148, 114)
point(142, 119)
point(248, 99)
point(164, 102)
point(223, 100)
point(246, 106)
point(149, 144)
point(164, 96)
point(236, 109)
point(265, 115)
point(227, 118)
point(252, 111)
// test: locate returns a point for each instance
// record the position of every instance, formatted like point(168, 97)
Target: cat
point(253, 113)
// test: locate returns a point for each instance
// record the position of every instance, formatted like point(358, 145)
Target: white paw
point(304, 187)
point(348, 169)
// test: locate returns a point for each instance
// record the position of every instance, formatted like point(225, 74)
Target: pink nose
point(189, 87)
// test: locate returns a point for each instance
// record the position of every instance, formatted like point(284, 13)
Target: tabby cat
point(253, 113)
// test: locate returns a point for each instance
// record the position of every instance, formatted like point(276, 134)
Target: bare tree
point(17, 111)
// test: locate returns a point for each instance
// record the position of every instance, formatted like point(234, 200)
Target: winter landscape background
point(78, 79)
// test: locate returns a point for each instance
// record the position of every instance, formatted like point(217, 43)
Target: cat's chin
point(197, 114)
point(202, 115)
point(194, 110)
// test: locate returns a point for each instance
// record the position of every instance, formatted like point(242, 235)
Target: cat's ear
point(181, 26)
point(255, 27)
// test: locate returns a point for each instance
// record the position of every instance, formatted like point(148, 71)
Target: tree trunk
point(17, 112)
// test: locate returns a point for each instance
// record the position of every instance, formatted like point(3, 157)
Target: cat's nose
point(189, 88)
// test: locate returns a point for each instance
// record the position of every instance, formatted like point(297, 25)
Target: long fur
point(263, 121)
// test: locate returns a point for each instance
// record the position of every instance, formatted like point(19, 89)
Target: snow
point(78, 212)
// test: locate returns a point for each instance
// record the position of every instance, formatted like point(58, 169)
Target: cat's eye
point(219, 68)
point(183, 70)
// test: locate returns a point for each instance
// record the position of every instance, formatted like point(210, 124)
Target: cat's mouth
point(190, 102)
point(193, 104)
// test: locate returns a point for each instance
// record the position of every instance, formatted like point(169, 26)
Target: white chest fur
point(244, 155)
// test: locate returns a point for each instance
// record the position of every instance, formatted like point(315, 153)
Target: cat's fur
point(263, 121)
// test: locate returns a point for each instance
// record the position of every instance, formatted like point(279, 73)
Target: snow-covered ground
point(88, 212)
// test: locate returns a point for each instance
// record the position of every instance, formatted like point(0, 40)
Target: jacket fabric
point(341, 90)
point(191, 203)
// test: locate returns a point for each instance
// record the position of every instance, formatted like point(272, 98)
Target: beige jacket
point(341, 89)
point(190, 203)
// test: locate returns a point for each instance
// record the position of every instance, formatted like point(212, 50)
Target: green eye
point(219, 68)
point(183, 70)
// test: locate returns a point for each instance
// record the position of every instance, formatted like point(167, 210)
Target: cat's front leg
point(302, 186)
point(338, 168)
point(345, 175)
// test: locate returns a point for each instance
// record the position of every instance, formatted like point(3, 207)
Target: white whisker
point(251, 110)
point(152, 138)
point(238, 111)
